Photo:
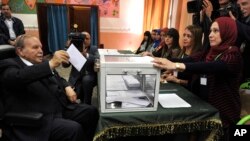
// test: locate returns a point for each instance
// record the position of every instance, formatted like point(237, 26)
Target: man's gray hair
point(21, 39)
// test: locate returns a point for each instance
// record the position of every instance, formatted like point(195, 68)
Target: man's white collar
point(28, 63)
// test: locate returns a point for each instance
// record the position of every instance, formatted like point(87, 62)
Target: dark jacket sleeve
point(157, 53)
point(182, 60)
point(206, 67)
point(62, 82)
point(229, 63)
point(18, 26)
point(3, 38)
point(14, 74)
point(93, 54)
point(243, 31)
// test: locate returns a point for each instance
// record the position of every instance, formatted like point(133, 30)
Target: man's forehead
point(5, 7)
point(31, 40)
point(243, 1)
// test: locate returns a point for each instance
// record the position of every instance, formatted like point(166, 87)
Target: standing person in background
point(146, 43)
point(220, 71)
point(209, 12)
point(245, 11)
point(85, 80)
point(10, 27)
point(243, 40)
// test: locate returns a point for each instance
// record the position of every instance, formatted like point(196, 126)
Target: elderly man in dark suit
point(30, 84)
point(85, 80)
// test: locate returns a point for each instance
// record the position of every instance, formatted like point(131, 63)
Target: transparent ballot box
point(128, 83)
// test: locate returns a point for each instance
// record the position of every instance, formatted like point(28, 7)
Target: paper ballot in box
point(127, 83)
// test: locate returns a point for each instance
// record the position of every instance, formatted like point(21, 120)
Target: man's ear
point(19, 51)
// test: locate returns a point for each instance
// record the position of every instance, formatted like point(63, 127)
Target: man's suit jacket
point(244, 39)
point(88, 67)
point(32, 89)
point(4, 31)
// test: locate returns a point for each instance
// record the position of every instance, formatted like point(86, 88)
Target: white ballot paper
point(171, 100)
point(75, 57)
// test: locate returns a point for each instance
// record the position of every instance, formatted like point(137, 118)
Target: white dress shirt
point(9, 24)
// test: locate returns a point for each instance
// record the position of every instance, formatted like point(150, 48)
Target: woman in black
point(192, 44)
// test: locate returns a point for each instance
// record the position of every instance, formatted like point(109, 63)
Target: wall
point(124, 32)
point(185, 19)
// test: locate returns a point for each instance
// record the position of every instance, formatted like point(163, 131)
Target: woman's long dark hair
point(196, 37)
point(149, 41)
point(172, 32)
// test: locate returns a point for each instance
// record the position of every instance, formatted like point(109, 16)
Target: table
point(201, 117)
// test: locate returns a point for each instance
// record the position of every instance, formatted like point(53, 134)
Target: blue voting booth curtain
point(94, 26)
point(57, 27)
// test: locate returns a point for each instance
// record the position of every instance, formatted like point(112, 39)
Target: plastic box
point(127, 83)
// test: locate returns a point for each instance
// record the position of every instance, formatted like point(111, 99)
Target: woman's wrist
point(180, 67)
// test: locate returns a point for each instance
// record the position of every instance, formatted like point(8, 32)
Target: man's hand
point(58, 58)
point(207, 7)
point(71, 94)
point(231, 15)
point(67, 44)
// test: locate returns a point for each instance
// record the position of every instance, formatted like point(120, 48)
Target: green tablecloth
point(201, 116)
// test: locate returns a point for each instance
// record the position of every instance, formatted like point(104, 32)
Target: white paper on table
point(171, 100)
point(130, 105)
point(75, 57)
point(132, 96)
point(127, 93)
point(143, 101)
